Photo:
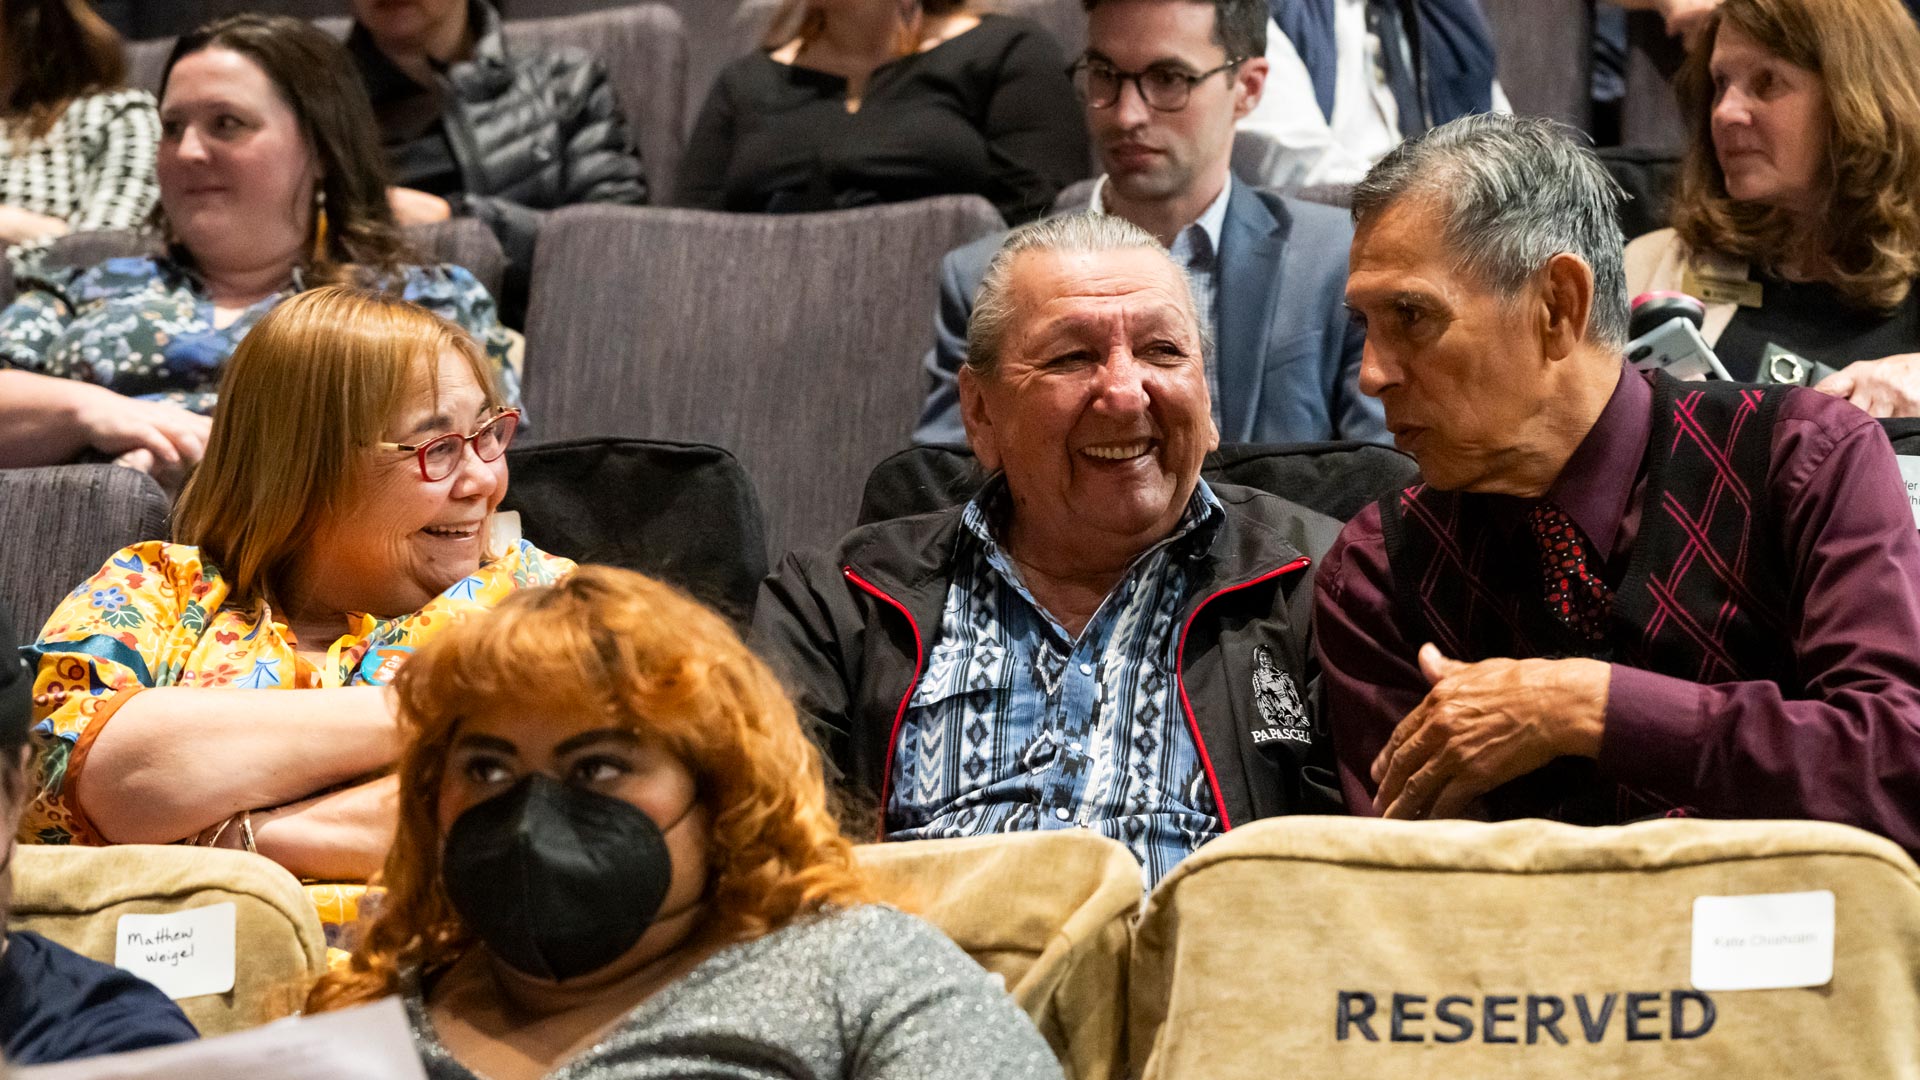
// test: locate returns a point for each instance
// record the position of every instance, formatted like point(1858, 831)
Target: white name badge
point(1773, 941)
point(1910, 472)
point(185, 953)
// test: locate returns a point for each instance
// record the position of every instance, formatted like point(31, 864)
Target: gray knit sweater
point(862, 994)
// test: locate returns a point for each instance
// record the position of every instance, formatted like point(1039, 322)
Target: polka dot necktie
point(1574, 592)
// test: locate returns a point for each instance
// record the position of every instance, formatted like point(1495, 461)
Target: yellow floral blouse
point(154, 616)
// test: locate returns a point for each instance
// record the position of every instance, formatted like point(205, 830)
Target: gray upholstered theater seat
point(147, 61)
point(463, 242)
point(171, 18)
point(1650, 115)
point(792, 341)
point(61, 523)
point(147, 57)
point(1545, 51)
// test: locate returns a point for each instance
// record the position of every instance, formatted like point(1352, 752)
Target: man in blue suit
point(1164, 82)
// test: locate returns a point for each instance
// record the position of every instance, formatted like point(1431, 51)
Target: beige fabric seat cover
point(1245, 950)
point(76, 895)
point(1048, 912)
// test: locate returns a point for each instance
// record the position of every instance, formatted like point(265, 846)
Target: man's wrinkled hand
point(1484, 724)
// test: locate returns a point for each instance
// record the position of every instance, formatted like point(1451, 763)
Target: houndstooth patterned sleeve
point(94, 170)
point(115, 186)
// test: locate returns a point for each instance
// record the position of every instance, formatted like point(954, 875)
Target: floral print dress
point(142, 326)
point(156, 616)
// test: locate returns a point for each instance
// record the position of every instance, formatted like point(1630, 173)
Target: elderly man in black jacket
point(1099, 638)
point(471, 127)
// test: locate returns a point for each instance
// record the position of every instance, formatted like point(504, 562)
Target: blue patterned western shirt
point(1018, 726)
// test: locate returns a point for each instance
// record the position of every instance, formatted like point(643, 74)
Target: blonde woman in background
point(341, 519)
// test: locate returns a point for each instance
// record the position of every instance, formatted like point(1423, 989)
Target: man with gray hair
point(1098, 638)
point(1616, 595)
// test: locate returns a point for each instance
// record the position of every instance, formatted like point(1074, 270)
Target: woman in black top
point(858, 102)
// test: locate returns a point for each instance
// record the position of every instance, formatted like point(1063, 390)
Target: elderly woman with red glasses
point(343, 514)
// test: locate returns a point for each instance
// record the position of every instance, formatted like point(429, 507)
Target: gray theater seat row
point(65, 521)
point(786, 339)
point(1545, 49)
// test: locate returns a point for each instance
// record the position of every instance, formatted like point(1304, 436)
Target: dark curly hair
point(653, 660)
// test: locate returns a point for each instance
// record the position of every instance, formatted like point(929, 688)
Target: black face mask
point(557, 881)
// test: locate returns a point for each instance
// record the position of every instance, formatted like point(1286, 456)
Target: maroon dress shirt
point(1839, 742)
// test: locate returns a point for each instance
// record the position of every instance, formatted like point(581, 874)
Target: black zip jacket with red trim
point(848, 631)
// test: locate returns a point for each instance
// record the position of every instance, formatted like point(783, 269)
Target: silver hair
point(1516, 191)
point(1075, 234)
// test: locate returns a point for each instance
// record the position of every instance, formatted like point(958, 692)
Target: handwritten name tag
point(1771, 941)
point(1910, 472)
point(185, 953)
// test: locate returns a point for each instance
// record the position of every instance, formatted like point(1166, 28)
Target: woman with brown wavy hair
point(271, 183)
point(615, 853)
point(1798, 214)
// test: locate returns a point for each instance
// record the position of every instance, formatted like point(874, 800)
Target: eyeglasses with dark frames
point(440, 457)
point(1163, 88)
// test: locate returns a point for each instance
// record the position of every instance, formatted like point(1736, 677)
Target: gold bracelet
point(246, 831)
point(214, 840)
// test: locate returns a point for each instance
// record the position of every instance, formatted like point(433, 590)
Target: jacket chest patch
point(1274, 694)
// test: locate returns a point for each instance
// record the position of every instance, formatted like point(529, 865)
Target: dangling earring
point(320, 226)
point(911, 23)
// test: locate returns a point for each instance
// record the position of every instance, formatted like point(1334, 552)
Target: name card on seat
point(1910, 472)
point(1770, 941)
point(184, 953)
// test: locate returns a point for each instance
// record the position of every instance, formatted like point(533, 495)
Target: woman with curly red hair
point(615, 853)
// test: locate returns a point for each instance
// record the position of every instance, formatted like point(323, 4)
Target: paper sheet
point(1910, 472)
point(369, 1042)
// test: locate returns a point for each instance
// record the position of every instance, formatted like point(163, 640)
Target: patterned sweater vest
point(1705, 596)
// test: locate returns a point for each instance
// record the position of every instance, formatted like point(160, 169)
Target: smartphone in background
point(1677, 348)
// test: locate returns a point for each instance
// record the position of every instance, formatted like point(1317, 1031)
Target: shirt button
point(1086, 669)
point(1074, 746)
point(1063, 814)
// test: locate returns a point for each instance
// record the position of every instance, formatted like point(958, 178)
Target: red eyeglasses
point(439, 457)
